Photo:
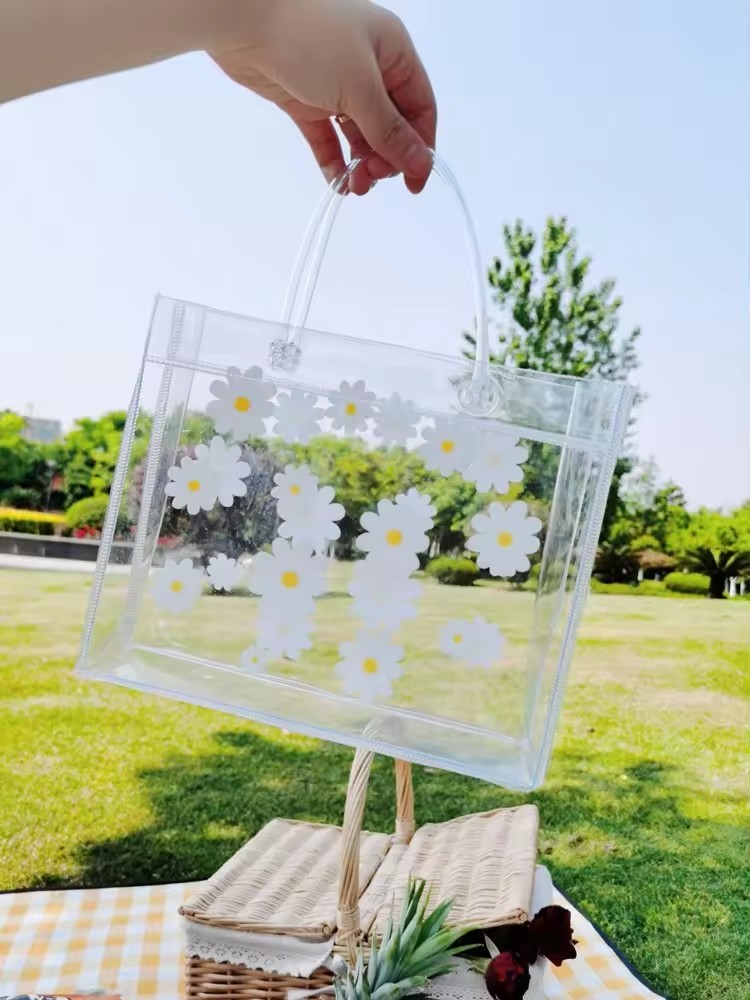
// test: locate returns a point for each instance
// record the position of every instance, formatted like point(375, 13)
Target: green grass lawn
point(644, 822)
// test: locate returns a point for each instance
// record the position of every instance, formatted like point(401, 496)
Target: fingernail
point(417, 161)
point(330, 173)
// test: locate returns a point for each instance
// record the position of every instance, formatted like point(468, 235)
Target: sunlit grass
point(644, 814)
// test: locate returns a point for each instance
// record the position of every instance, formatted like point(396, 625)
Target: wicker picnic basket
point(269, 919)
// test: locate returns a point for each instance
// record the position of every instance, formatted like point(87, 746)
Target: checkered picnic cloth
point(129, 941)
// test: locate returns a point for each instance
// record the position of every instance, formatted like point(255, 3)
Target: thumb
point(389, 133)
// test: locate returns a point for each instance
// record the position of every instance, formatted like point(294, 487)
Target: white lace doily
point(278, 953)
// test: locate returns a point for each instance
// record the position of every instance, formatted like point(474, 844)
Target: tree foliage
point(555, 318)
point(23, 464)
point(88, 453)
point(715, 544)
point(361, 475)
point(560, 320)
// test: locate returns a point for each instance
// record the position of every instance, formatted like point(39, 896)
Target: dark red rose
point(553, 934)
point(507, 976)
point(520, 940)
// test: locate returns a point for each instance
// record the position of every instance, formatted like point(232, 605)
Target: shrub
point(22, 498)
point(30, 522)
point(455, 572)
point(622, 589)
point(88, 514)
point(687, 583)
point(652, 588)
point(648, 588)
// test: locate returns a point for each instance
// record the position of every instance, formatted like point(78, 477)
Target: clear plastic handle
point(306, 271)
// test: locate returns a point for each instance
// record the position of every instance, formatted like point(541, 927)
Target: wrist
point(226, 23)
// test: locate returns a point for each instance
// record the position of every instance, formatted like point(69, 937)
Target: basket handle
point(348, 889)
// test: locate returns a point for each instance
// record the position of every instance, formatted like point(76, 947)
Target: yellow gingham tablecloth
point(129, 941)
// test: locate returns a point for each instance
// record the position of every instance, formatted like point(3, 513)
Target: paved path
point(54, 565)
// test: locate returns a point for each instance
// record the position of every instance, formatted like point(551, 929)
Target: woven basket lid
point(483, 862)
point(283, 881)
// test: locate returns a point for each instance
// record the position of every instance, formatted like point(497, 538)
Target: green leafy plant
point(22, 498)
point(89, 514)
point(687, 583)
point(414, 949)
point(716, 545)
point(452, 571)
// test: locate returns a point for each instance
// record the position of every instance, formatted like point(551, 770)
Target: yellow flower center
point(193, 485)
point(369, 665)
point(458, 638)
point(504, 539)
point(295, 489)
point(350, 409)
point(176, 586)
point(394, 537)
point(242, 404)
point(289, 579)
point(447, 446)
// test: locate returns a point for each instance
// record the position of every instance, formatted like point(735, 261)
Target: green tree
point(658, 509)
point(362, 475)
point(24, 468)
point(559, 320)
point(715, 544)
point(88, 454)
point(562, 322)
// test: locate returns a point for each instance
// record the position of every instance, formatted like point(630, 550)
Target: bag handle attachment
point(477, 393)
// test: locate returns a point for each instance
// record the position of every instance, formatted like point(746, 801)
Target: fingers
point(411, 92)
point(374, 167)
point(408, 89)
point(389, 134)
point(325, 145)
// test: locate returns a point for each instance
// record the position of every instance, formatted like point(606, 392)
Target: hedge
point(647, 588)
point(30, 522)
point(87, 513)
point(455, 572)
point(687, 583)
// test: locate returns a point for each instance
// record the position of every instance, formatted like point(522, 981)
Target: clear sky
point(631, 117)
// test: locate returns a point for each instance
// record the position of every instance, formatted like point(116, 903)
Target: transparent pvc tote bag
point(279, 501)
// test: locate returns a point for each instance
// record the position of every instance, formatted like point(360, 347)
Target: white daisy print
point(478, 643)
point(253, 659)
point(242, 402)
point(226, 468)
point(223, 573)
point(177, 586)
point(284, 635)
point(295, 487)
point(297, 416)
point(446, 447)
point(395, 420)
point(382, 599)
point(192, 484)
point(455, 636)
point(369, 666)
point(419, 504)
point(395, 532)
point(289, 576)
point(311, 519)
point(351, 410)
point(496, 462)
point(504, 538)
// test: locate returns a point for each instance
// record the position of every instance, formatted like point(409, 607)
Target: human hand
point(349, 59)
